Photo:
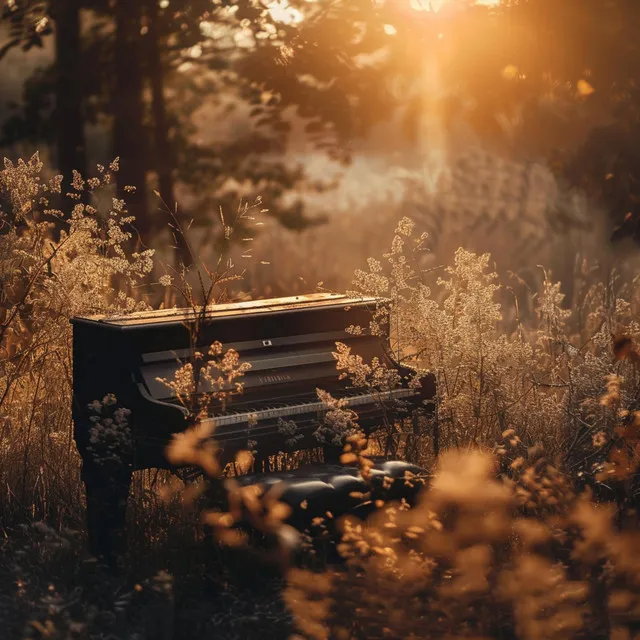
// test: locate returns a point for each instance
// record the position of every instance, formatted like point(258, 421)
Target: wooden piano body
point(289, 343)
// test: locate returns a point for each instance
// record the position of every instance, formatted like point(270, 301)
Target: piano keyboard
point(291, 410)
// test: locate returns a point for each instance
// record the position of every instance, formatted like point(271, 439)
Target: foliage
point(470, 560)
point(89, 269)
point(542, 380)
point(201, 62)
point(503, 543)
point(28, 24)
point(538, 78)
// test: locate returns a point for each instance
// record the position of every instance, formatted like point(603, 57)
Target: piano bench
point(329, 491)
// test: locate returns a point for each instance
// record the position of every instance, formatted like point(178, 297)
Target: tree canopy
point(554, 79)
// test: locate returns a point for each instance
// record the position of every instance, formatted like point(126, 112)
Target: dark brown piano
point(289, 343)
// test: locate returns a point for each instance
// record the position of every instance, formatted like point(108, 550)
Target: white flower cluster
point(216, 378)
point(375, 375)
point(289, 429)
point(110, 434)
point(252, 447)
point(339, 424)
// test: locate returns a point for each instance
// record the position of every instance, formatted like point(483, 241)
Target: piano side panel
point(98, 369)
point(105, 361)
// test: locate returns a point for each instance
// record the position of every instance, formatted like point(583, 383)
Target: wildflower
point(599, 439)
point(42, 24)
point(289, 429)
point(405, 227)
point(339, 422)
point(612, 397)
point(77, 182)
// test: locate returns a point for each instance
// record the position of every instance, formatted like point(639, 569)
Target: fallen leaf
point(510, 72)
point(584, 88)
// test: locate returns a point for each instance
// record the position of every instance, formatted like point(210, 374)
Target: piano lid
point(251, 307)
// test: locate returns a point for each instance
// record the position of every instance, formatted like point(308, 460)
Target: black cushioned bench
point(314, 490)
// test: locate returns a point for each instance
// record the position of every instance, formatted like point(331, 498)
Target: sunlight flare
point(282, 11)
point(427, 5)
point(434, 6)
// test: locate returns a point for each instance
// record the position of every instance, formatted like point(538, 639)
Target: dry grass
point(532, 408)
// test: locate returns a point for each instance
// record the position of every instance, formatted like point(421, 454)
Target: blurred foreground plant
point(471, 561)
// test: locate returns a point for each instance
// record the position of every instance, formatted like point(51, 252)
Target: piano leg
point(260, 463)
point(107, 490)
point(331, 454)
point(391, 444)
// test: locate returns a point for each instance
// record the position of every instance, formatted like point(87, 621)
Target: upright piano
point(290, 344)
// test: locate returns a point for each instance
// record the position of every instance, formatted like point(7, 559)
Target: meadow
point(528, 528)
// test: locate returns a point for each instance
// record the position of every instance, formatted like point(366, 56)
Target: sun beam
point(433, 142)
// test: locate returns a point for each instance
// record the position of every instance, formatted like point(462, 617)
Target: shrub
point(54, 264)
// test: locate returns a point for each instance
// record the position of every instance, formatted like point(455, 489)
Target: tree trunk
point(68, 116)
point(129, 137)
point(164, 159)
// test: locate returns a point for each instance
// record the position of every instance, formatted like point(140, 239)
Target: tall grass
point(532, 408)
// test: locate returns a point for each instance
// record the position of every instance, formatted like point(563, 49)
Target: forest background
point(513, 125)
